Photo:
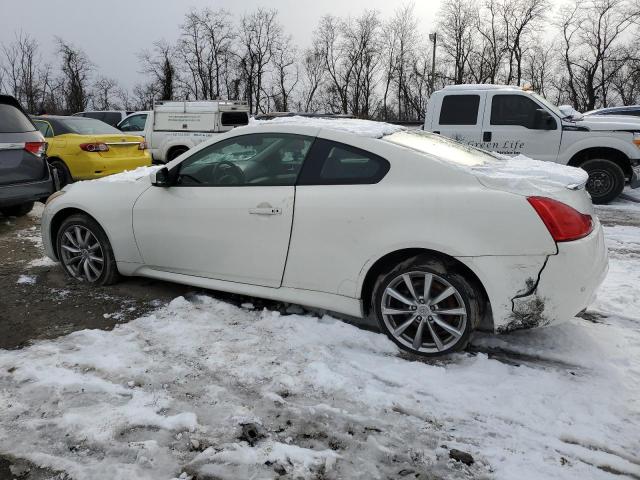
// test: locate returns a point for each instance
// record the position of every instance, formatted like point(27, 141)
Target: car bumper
point(45, 231)
point(20, 193)
point(103, 167)
point(566, 285)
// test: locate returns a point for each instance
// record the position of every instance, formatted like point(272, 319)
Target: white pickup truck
point(511, 120)
point(173, 127)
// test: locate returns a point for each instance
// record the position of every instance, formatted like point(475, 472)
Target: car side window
point(459, 110)
point(333, 163)
point(44, 128)
point(135, 123)
point(513, 110)
point(255, 159)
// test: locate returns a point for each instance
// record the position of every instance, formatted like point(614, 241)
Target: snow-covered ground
point(202, 387)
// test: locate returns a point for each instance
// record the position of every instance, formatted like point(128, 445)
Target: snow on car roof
point(364, 128)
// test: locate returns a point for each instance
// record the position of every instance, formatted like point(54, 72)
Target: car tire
point(606, 179)
point(64, 175)
point(17, 210)
point(85, 251)
point(429, 324)
point(176, 152)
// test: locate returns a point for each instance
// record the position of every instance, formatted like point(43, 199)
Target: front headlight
point(53, 196)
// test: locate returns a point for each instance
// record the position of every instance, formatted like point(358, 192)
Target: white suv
point(512, 121)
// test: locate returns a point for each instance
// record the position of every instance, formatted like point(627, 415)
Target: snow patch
point(365, 128)
point(130, 175)
point(26, 280)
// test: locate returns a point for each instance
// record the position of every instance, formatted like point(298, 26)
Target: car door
point(460, 117)
point(511, 127)
point(229, 211)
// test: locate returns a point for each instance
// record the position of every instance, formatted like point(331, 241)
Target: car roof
point(362, 128)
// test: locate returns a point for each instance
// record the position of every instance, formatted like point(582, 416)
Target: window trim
point(478, 120)
point(540, 107)
point(312, 166)
point(175, 171)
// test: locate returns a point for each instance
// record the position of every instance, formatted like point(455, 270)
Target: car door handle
point(486, 137)
point(265, 211)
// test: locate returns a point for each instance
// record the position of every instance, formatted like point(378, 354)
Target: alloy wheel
point(424, 312)
point(81, 253)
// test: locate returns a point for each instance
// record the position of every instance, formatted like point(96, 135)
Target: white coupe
point(433, 238)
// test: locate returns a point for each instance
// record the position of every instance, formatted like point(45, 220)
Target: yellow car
point(84, 148)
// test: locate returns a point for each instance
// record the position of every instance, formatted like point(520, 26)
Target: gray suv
point(25, 175)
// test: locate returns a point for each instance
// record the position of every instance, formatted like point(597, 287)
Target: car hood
point(605, 123)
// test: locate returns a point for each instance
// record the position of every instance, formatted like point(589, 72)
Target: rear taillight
point(142, 146)
point(37, 148)
point(563, 222)
point(94, 147)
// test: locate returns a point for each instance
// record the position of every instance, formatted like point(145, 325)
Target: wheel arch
point(173, 148)
point(605, 153)
point(60, 216)
point(387, 261)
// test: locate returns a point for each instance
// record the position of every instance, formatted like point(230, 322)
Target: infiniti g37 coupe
point(433, 238)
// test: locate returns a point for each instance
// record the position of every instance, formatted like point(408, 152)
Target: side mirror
point(161, 178)
point(543, 120)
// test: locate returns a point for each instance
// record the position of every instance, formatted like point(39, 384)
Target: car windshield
point(88, 126)
point(441, 147)
point(13, 120)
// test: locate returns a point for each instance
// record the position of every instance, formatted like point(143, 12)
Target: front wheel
point(606, 180)
point(426, 309)
point(85, 252)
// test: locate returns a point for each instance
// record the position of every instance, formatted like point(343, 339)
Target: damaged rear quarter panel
point(511, 284)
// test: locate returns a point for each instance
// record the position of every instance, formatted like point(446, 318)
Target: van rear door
point(459, 115)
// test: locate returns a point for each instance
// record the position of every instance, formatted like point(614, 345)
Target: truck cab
point(511, 121)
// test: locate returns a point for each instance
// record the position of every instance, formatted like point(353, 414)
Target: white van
point(511, 120)
point(173, 127)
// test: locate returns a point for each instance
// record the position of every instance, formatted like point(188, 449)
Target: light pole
point(434, 38)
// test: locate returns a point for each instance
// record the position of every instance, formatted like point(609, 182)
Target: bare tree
point(458, 20)
point(104, 93)
point(520, 19)
point(260, 32)
point(75, 69)
point(593, 48)
point(286, 73)
point(161, 64)
point(313, 77)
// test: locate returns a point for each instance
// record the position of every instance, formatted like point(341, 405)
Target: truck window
point(513, 110)
point(459, 110)
point(233, 119)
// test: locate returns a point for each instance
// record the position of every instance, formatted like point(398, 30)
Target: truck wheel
point(606, 179)
point(17, 210)
point(176, 152)
point(64, 175)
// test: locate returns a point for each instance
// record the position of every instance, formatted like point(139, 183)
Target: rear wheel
point(85, 252)
point(176, 152)
point(64, 175)
point(17, 210)
point(426, 309)
point(606, 179)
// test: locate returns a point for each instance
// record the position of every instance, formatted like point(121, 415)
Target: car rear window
point(233, 119)
point(459, 110)
point(88, 126)
point(13, 120)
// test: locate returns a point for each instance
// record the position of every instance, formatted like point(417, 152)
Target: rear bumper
point(103, 167)
point(566, 285)
point(20, 193)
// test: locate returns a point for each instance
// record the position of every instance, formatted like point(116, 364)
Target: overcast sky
point(112, 32)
